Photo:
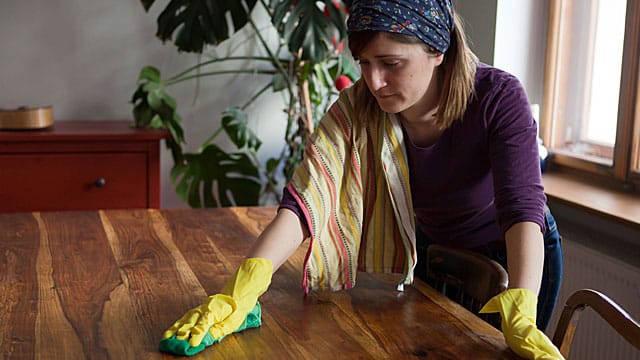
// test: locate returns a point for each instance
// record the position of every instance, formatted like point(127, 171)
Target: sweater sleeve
point(289, 202)
point(515, 162)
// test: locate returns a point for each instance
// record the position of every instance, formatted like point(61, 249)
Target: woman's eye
point(391, 63)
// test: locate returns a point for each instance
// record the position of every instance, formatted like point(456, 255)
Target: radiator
point(586, 268)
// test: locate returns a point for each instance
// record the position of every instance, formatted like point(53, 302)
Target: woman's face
point(402, 77)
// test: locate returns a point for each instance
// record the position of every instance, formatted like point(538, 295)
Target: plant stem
point(255, 96)
point(220, 72)
point(267, 8)
point(210, 139)
point(275, 60)
point(212, 61)
point(307, 118)
point(271, 184)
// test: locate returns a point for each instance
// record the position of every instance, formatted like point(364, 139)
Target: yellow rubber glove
point(223, 313)
point(518, 310)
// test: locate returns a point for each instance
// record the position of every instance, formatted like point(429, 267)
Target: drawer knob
point(101, 182)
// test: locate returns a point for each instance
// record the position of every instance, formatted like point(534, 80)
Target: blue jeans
point(551, 273)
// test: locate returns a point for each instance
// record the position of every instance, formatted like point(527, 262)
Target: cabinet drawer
point(73, 181)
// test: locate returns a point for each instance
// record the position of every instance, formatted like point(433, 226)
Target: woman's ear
point(439, 59)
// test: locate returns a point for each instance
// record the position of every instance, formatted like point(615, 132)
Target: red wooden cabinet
point(80, 165)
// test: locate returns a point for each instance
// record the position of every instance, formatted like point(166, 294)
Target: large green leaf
point(305, 25)
point(153, 107)
point(235, 122)
point(215, 178)
point(201, 22)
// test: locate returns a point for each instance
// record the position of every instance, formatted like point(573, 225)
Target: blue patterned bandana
point(429, 20)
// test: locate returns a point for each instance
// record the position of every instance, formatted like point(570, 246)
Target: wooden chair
point(611, 312)
point(466, 277)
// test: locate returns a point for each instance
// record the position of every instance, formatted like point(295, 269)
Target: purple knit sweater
point(483, 174)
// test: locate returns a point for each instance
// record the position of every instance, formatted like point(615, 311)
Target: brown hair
point(458, 73)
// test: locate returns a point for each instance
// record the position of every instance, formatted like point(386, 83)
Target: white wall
point(83, 57)
point(520, 42)
point(479, 18)
point(511, 35)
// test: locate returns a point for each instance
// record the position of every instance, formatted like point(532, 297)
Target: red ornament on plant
point(342, 81)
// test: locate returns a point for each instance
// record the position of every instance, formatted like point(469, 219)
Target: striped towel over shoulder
point(353, 187)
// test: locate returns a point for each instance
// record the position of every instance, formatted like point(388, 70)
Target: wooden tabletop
point(106, 284)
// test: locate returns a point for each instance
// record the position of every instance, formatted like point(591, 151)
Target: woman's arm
point(225, 312)
point(517, 305)
point(280, 239)
point(525, 254)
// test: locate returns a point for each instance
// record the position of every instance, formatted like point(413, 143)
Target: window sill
point(614, 205)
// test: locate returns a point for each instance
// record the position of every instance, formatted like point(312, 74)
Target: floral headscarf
point(429, 20)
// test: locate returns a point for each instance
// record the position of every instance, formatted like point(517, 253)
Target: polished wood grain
point(106, 284)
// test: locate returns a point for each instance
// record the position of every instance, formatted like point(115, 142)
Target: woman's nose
point(377, 80)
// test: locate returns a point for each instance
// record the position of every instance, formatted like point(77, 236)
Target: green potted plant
point(305, 65)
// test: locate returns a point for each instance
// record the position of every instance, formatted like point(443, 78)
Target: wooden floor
point(105, 285)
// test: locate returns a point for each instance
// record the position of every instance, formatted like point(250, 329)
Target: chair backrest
point(466, 277)
point(611, 312)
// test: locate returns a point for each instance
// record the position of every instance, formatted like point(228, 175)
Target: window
point(591, 105)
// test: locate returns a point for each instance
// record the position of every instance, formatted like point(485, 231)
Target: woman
point(427, 136)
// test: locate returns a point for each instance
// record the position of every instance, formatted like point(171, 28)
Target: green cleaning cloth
point(183, 347)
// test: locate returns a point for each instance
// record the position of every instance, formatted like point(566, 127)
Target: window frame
point(626, 150)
